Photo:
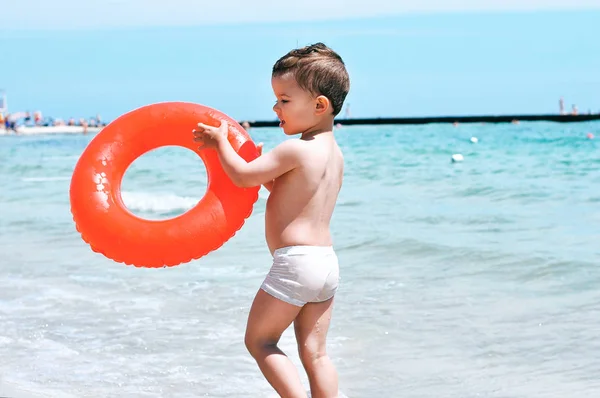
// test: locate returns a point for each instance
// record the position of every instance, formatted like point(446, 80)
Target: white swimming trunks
point(303, 274)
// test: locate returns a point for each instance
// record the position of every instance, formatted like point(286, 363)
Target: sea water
point(477, 278)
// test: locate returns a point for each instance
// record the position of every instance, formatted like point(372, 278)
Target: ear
point(322, 105)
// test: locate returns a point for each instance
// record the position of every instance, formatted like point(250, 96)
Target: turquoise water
point(471, 279)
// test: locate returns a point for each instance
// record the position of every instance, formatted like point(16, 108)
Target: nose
point(275, 108)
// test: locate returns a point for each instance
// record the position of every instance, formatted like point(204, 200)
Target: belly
point(300, 231)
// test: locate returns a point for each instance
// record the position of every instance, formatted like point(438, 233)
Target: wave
point(62, 157)
point(160, 203)
point(45, 179)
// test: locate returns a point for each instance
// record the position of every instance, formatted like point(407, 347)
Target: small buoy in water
point(474, 140)
point(457, 157)
point(590, 136)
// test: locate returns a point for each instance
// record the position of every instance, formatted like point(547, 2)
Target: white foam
point(44, 179)
point(341, 395)
point(11, 390)
point(64, 157)
point(157, 202)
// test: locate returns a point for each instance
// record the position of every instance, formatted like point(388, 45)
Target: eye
point(285, 101)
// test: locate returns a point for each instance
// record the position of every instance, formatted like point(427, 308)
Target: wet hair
point(319, 70)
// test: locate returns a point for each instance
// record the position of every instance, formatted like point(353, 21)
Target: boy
point(304, 177)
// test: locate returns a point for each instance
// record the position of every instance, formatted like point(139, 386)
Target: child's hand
point(259, 148)
point(210, 136)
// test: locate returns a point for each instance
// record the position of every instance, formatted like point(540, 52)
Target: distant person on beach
point(304, 177)
point(83, 123)
point(561, 106)
point(37, 118)
point(574, 110)
point(10, 122)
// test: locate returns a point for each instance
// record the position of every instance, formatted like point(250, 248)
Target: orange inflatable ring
point(111, 229)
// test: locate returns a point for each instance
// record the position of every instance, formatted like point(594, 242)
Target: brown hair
point(319, 70)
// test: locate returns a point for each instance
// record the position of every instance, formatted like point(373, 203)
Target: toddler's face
point(295, 107)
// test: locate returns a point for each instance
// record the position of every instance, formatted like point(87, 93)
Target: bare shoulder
point(291, 147)
point(303, 152)
point(293, 150)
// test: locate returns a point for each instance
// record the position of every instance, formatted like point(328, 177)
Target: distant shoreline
point(449, 119)
point(38, 130)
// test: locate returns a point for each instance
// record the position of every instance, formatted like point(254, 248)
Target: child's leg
point(311, 327)
point(268, 319)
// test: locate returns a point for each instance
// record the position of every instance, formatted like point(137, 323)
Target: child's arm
point(262, 170)
point(267, 185)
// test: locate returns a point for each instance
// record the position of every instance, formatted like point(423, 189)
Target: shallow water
point(472, 279)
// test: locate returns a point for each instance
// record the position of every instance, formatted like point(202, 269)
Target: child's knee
point(257, 344)
point(311, 353)
point(249, 341)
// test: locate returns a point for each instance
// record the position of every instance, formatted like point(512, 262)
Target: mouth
point(281, 123)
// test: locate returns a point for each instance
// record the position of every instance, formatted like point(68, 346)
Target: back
point(302, 201)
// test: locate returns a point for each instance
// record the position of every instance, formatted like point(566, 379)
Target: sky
point(77, 14)
point(76, 59)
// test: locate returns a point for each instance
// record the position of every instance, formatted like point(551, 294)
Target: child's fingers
point(198, 135)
